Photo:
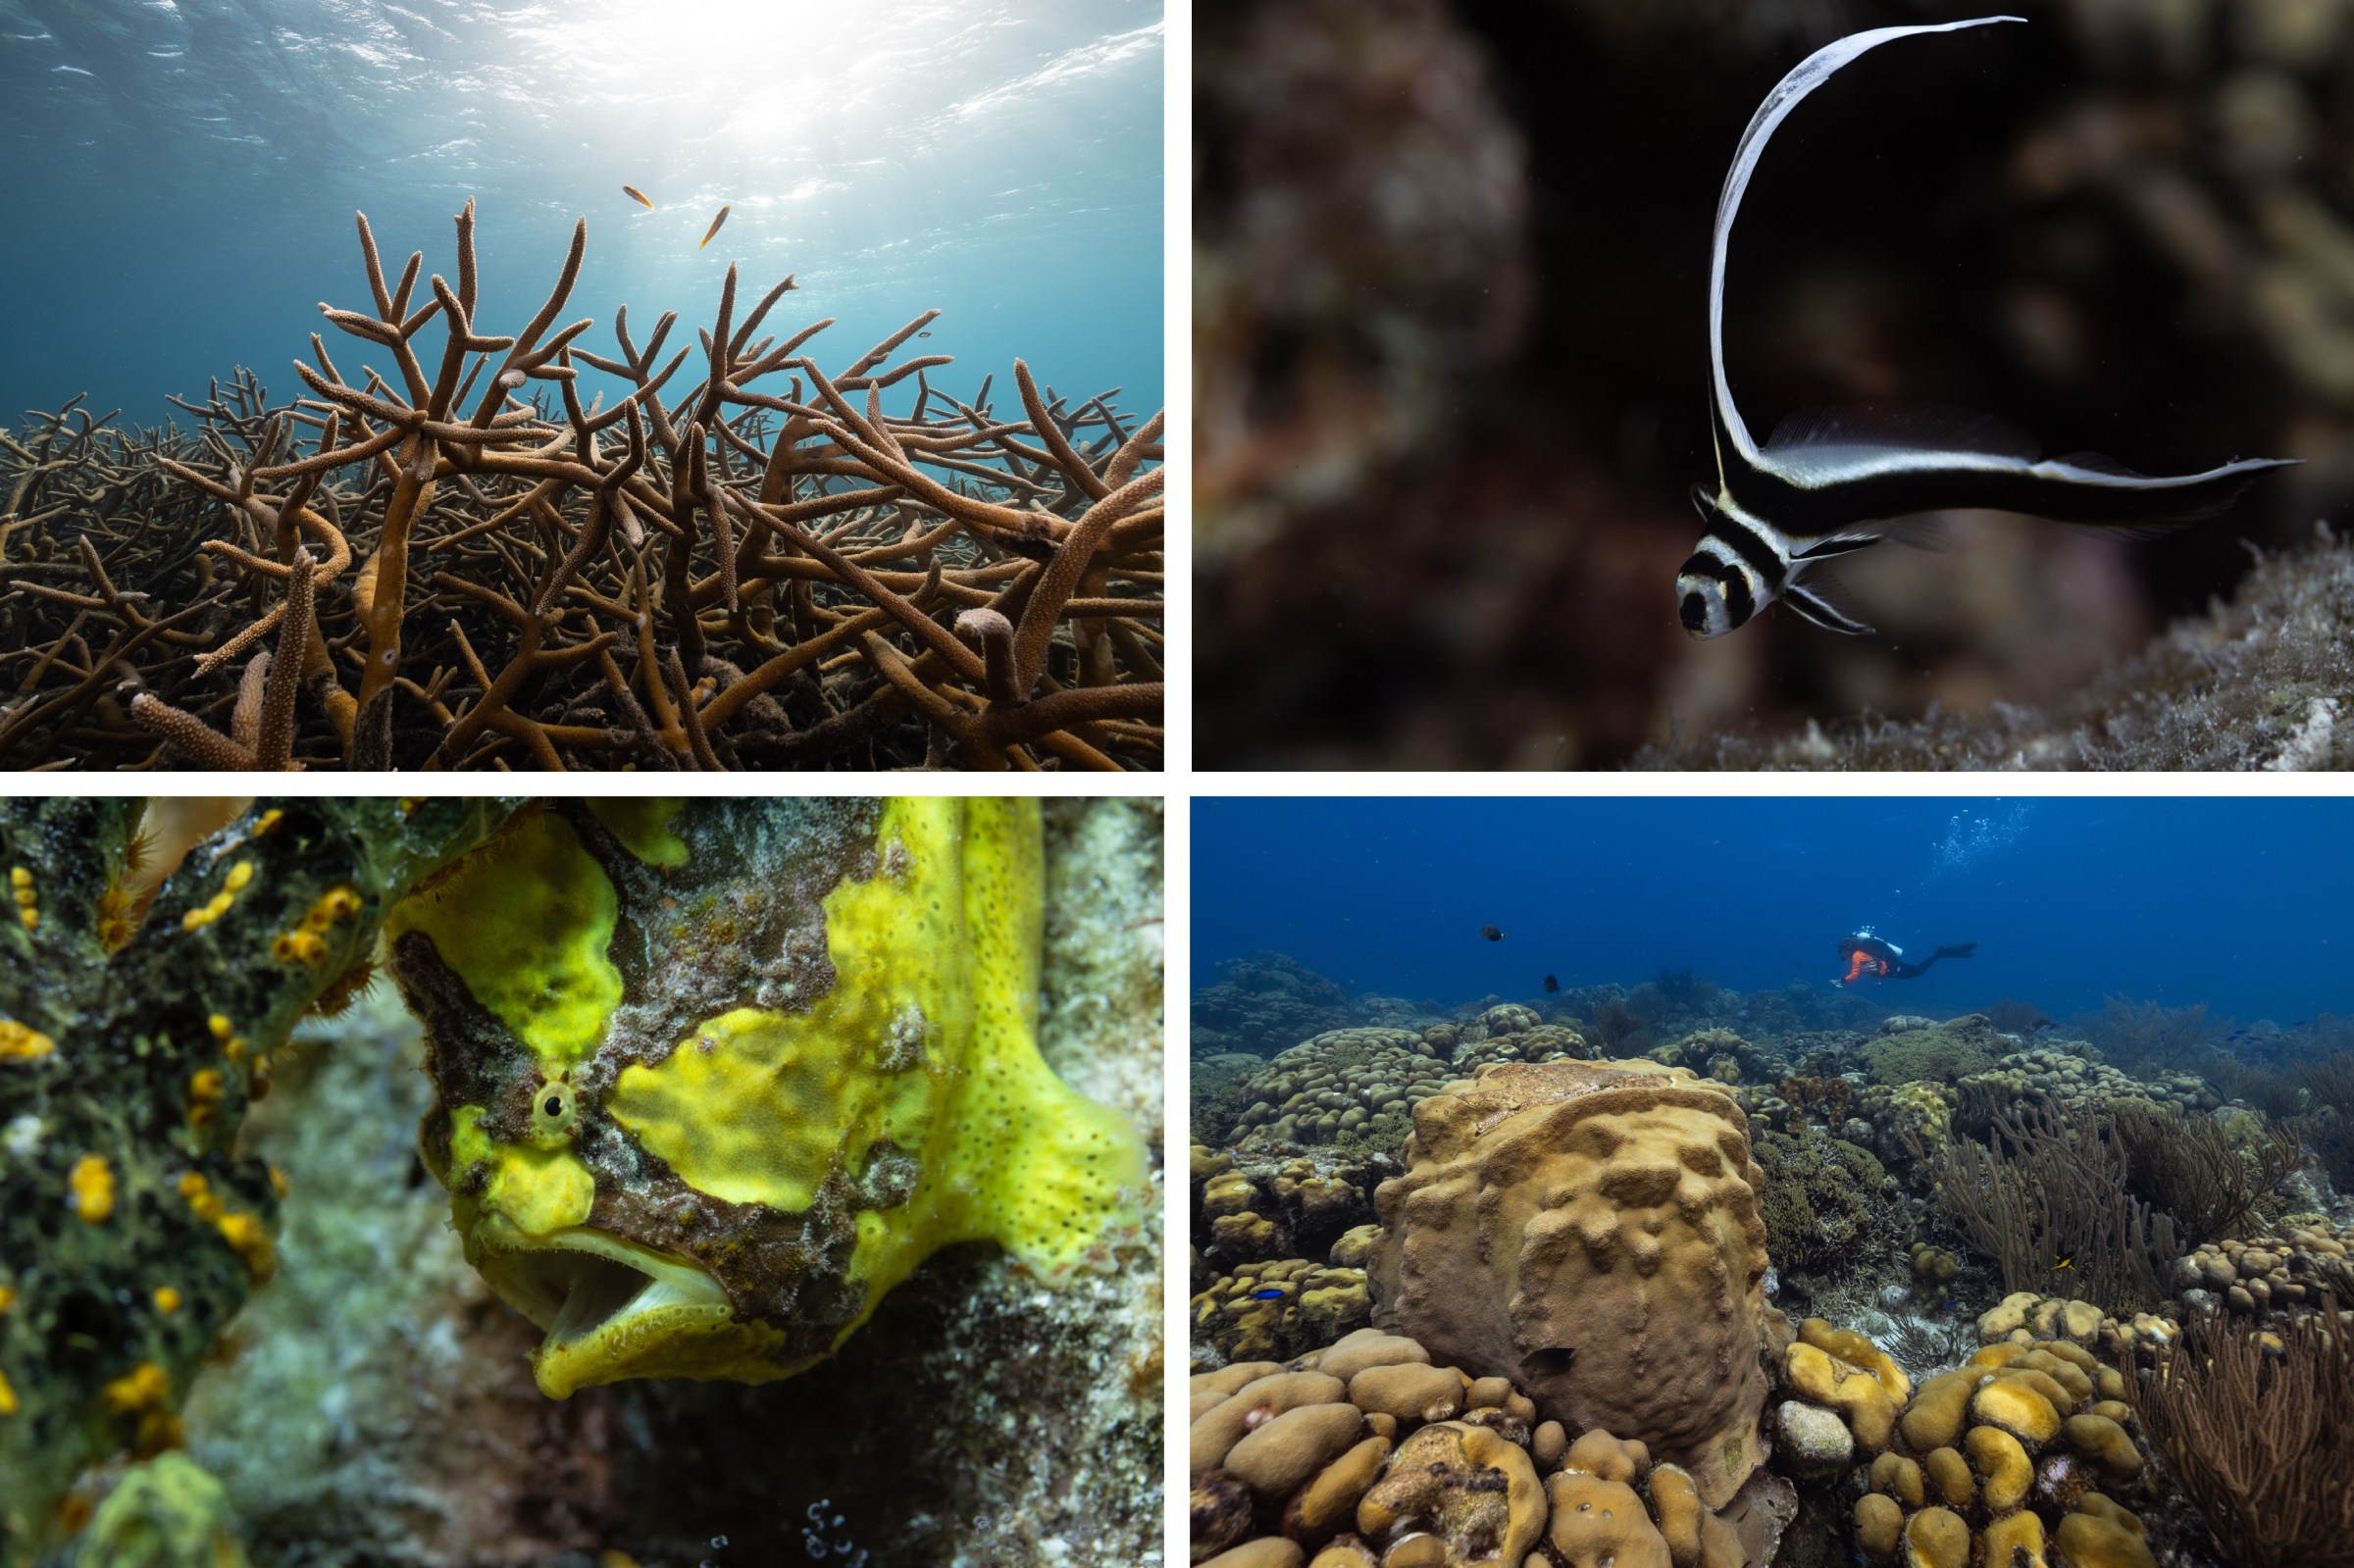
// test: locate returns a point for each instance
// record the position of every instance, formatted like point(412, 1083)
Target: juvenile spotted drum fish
point(1832, 482)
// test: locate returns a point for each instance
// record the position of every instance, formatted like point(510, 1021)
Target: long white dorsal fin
point(1914, 427)
point(1809, 74)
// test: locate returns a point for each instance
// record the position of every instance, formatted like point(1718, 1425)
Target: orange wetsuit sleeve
point(1862, 961)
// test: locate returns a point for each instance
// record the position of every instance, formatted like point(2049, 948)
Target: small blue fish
point(1267, 1294)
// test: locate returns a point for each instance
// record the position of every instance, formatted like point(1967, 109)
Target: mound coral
point(1353, 1085)
point(1366, 1453)
point(1942, 1053)
point(1591, 1229)
point(739, 577)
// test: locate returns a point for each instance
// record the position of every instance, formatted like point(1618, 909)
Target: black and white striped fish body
point(1831, 481)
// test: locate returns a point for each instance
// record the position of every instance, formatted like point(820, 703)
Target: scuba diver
point(1866, 954)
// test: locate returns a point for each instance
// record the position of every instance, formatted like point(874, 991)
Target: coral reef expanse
point(420, 568)
point(371, 1400)
point(1680, 1277)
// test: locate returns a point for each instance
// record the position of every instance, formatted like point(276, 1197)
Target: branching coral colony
point(437, 573)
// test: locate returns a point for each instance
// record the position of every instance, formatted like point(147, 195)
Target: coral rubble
point(735, 578)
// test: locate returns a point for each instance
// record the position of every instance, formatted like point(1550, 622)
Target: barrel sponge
point(1443, 1481)
point(1590, 1230)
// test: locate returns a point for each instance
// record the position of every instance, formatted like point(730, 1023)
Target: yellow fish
point(713, 1075)
point(638, 196)
point(715, 222)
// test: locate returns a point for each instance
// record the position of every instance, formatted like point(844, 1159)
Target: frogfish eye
point(554, 1113)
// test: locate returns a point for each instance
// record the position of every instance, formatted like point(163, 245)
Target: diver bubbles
point(1979, 833)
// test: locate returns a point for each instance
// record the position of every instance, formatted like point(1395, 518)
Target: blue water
point(183, 174)
point(2241, 904)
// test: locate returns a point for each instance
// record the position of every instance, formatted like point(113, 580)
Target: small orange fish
point(638, 196)
point(715, 222)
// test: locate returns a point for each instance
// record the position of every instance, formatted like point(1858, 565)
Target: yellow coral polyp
point(299, 947)
point(143, 1387)
point(167, 1299)
point(20, 1043)
point(7, 1296)
point(18, 877)
point(250, 1241)
point(205, 1087)
point(305, 944)
point(200, 1197)
point(20, 883)
point(8, 1396)
point(91, 1183)
point(221, 1029)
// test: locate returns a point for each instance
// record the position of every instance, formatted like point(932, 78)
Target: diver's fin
point(1820, 598)
point(1964, 950)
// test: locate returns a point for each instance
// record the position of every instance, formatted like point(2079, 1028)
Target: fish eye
point(554, 1112)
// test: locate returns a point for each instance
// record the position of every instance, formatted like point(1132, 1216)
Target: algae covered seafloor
point(375, 1402)
point(1669, 1272)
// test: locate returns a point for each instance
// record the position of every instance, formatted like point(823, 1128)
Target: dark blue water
point(2240, 904)
point(183, 174)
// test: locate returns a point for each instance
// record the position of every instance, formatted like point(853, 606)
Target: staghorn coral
point(135, 1229)
point(1592, 1228)
point(739, 577)
point(682, 1156)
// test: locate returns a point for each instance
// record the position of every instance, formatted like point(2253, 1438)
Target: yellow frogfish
point(712, 1077)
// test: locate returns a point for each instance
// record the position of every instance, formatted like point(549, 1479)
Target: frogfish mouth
point(712, 1077)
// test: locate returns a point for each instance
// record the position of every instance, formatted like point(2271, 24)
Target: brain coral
point(1591, 1230)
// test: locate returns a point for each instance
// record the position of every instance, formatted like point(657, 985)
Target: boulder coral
point(1591, 1229)
point(1365, 1454)
point(1983, 1464)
